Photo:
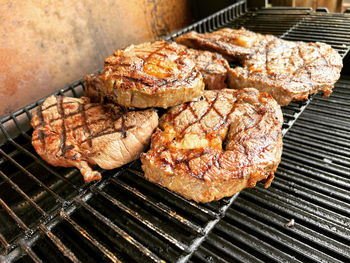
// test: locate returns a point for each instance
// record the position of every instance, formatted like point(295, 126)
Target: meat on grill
point(74, 132)
point(157, 74)
point(212, 66)
point(234, 44)
point(287, 70)
point(215, 147)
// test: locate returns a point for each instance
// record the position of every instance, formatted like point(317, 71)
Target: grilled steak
point(287, 70)
point(234, 44)
point(74, 132)
point(215, 147)
point(212, 66)
point(157, 74)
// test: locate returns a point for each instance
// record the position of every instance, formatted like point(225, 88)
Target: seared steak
point(74, 132)
point(234, 44)
point(212, 66)
point(157, 74)
point(215, 147)
point(287, 70)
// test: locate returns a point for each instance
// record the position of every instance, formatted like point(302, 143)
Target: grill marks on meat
point(217, 146)
point(212, 66)
point(74, 132)
point(234, 44)
point(157, 74)
point(287, 70)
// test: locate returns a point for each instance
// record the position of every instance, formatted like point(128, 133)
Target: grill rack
point(60, 204)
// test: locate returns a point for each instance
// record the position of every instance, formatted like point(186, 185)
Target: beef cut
point(212, 66)
point(287, 70)
point(215, 147)
point(74, 132)
point(157, 74)
point(234, 44)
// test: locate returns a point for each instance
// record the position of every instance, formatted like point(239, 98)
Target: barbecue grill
point(48, 214)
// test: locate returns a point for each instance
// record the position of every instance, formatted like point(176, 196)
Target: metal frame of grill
point(48, 214)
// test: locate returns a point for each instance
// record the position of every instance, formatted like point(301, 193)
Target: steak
point(74, 132)
point(234, 44)
point(157, 74)
point(215, 147)
point(287, 70)
point(212, 66)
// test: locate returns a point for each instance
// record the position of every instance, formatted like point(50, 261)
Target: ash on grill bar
point(48, 214)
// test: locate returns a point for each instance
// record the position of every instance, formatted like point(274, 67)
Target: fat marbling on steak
point(215, 147)
point(153, 74)
point(287, 70)
point(74, 132)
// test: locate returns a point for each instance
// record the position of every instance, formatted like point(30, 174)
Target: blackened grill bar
point(51, 215)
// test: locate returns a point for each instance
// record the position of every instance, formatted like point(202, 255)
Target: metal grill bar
point(31, 176)
point(30, 252)
point(122, 233)
point(141, 219)
point(19, 190)
point(3, 241)
point(14, 216)
point(58, 243)
point(162, 207)
point(86, 235)
point(41, 162)
point(291, 245)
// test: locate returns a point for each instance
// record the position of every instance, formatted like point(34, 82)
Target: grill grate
point(312, 186)
point(48, 214)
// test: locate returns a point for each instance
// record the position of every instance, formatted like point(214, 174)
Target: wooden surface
point(45, 45)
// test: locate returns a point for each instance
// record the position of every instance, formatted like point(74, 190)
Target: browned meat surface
point(94, 88)
point(215, 147)
point(74, 132)
point(289, 70)
point(157, 74)
point(212, 66)
point(234, 44)
point(285, 69)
